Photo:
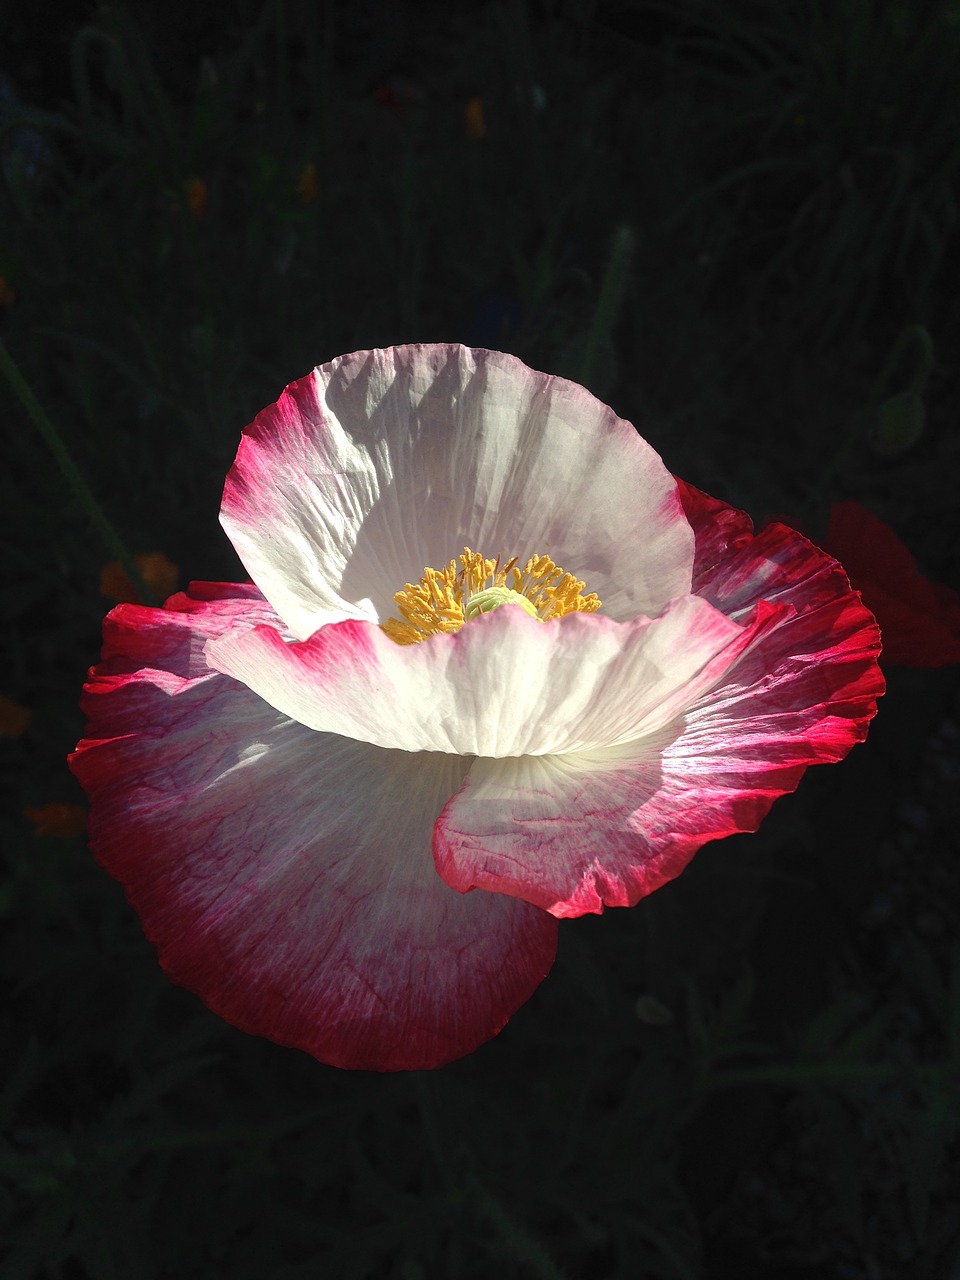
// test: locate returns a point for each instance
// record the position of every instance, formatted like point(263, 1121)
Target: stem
point(523, 1246)
point(814, 1075)
point(462, 1185)
point(917, 336)
point(516, 46)
point(608, 303)
point(71, 473)
point(432, 1132)
point(914, 335)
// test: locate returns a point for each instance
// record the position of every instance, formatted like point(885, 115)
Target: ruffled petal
point(573, 834)
point(735, 568)
point(285, 876)
point(383, 462)
point(503, 685)
point(170, 641)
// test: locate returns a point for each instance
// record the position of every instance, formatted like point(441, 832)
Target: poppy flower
point(157, 570)
point(197, 197)
point(473, 118)
point(62, 821)
point(496, 667)
point(14, 719)
point(307, 185)
point(919, 619)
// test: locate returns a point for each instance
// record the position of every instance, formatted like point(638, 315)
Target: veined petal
point(383, 462)
point(503, 685)
point(285, 876)
point(564, 832)
point(575, 833)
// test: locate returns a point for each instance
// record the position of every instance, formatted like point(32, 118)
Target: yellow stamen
point(444, 599)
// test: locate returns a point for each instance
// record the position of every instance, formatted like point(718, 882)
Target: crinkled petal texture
point(575, 832)
point(284, 875)
point(381, 463)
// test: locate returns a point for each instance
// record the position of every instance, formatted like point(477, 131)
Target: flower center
point(492, 598)
point(444, 599)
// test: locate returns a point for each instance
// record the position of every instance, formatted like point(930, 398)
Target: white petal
point(503, 685)
point(381, 463)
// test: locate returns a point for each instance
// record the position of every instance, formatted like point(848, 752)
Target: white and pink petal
point(381, 463)
point(505, 684)
point(286, 876)
point(574, 834)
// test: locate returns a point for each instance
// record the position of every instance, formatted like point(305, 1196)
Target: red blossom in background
point(919, 620)
point(387, 96)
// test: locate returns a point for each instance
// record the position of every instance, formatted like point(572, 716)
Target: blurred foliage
point(733, 222)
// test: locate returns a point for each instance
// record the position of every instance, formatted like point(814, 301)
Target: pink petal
point(572, 834)
point(284, 875)
point(503, 685)
point(170, 641)
point(383, 462)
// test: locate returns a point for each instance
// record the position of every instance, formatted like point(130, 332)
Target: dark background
point(737, 224)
